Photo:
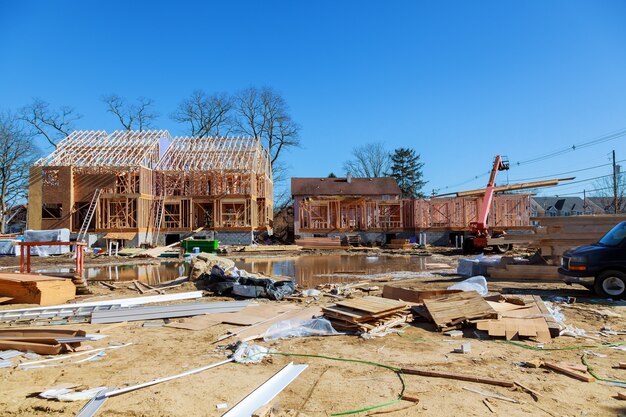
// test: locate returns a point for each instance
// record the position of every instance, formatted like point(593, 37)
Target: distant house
point(563, 206)
point(323, 205)
point(607, 203)
point(15, 219)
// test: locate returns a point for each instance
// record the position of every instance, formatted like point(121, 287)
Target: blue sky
point(457, 81)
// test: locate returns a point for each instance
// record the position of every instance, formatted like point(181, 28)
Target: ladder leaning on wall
point(82, 234)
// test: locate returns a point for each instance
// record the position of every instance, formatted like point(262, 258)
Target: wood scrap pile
point(372, 315)
point(43, 342)
point(510, 317)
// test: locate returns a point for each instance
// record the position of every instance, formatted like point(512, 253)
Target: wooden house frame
point(148, 181)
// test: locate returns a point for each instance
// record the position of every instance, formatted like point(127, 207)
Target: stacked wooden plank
point(452, 310)
point(36, 289)
point(399, 244)
point(524, 272)
point(556, 234)
point(319, 243)
point(373, 315)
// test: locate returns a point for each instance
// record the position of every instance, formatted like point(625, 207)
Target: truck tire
point(502, 248)
point(611, 283)
point(468, 246)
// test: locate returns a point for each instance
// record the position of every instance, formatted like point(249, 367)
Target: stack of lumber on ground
point(524, 272)
point(556, 234)
point(452, 310)
point(319, 243)
point(413, 296)
point(399, 244)
point(43, 342)
point(36, 289)
point(521, 316)
point(373, 315)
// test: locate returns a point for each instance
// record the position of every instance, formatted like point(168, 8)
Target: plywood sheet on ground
point(413, 296)
point(451, 310)
point(372, 305)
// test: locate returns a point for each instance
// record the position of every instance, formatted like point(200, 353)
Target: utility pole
point(584, 201)
point(614, 185)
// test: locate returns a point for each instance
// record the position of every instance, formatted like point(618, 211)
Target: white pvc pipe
point(169, 378)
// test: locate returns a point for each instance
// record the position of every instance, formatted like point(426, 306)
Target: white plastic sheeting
point(299, 328)
point(55, 235)
point(478, 284)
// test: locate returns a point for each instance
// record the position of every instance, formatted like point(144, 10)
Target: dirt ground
point(330, 386)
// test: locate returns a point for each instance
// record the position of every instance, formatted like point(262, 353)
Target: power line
point(600, 139)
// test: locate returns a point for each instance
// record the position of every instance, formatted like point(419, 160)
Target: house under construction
point(147, 187)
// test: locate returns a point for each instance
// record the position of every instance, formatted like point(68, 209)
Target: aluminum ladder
point(82, 234)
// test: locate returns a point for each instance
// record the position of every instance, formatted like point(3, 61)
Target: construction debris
point(371, 315)
point(45, 342)
point(569, 370)
point(461, 377)
point(450, 311)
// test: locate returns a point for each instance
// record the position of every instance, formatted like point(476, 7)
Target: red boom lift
point(480, 232)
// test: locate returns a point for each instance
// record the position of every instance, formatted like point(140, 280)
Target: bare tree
point(132, 116)
point(371, 160)
point(205, 115)
point(17, 154)
point(263, 113)
point(605, 196)
point(52, 124)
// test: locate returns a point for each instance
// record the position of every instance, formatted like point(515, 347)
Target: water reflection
point(306, 269)
point(148, 273)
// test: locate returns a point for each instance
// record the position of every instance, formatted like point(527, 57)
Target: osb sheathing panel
point(34, 198)
point(85, 185)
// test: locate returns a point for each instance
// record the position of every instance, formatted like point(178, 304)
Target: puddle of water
point(306, 269)
point(149, 273)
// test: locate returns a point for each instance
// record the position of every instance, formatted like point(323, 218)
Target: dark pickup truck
point(600, 266)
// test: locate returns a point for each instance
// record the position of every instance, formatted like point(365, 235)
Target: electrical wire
point(398, 372)
point(601, 139)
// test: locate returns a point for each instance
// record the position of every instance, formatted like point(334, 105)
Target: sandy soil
point(328, 386)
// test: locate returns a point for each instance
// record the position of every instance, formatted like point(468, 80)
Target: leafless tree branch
point(52, 124)
point(140, 115)
point(371, 160)
point(205, 115)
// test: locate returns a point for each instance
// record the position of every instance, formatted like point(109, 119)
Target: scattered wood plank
point(621, 395)
point(532, 392)
point(568, 371)
point(413, 296)
point(461, 377)
point(109, 286)
point(451, 310)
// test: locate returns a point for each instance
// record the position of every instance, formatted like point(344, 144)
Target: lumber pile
point(43, 342)
point(524, 272)
point(352, 240)
point(36, 289)
point(413, 296)
point(319, 243)
point(399, 244)
point(452, 310)
point(512, 317)
point(557, 234)
point(373, 315)
point(269, 248)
